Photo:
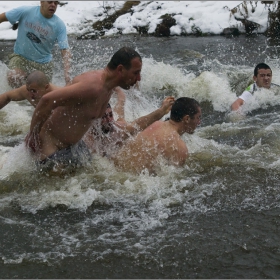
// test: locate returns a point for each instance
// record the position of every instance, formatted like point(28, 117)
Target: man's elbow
point(3, 17)
point(237, 104)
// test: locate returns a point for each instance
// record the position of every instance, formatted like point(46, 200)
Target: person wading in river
point(107, 134)
point(262, 79)
point(162, 139)
point(37, 85)
point(64, 115)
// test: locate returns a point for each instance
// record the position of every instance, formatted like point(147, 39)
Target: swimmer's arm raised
point(143, 122)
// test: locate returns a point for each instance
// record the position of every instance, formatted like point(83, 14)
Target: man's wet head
point(37, 85)
point(187, 111)
point(128, 64)
point(263, 75)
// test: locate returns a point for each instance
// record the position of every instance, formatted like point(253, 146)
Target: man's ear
point(186, 118)
point(47, 87)
point(254, 78)
point(120, 68)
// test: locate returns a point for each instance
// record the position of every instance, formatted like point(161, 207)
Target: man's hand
point(167, 104)
point(32, 141)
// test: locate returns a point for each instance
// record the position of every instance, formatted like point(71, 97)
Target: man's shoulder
point(251, 88)
point(27, 8)
point(22, 10)
point(272, 85)
point(58, 20)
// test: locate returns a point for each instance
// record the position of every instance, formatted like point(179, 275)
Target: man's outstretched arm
point(17, 94)
point(143, 122)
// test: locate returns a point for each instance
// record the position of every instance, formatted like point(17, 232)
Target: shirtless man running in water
point(63, 116)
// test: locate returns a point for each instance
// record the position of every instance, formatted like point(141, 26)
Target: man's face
point(35, 91)
point(132, 75)
point(107, 120)
point(48, 8)
point(194, 122)
point(263, 78)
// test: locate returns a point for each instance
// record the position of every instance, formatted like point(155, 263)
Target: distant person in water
point(107, 134)
point(64, 115)
point(262, 79)
point(162, 139)
point(37, 85)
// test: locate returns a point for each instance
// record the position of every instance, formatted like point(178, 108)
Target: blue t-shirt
point(37, 35)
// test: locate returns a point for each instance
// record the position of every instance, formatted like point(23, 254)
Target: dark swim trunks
point(74, 156)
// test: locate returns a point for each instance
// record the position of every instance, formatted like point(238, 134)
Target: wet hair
point(37, 77)
point(260, 66)
point(184, 106)
point(123, 56)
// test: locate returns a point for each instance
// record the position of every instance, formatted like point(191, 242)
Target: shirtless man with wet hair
point(37, 85)
point(64, 115)
point(161, 139)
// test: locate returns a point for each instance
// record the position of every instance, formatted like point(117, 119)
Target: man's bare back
point(161, 140)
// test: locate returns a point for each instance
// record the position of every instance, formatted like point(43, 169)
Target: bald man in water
point(161, 139)
point(64, 115)
point(37, 85)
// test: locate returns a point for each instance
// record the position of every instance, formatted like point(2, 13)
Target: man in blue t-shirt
point(39, 29)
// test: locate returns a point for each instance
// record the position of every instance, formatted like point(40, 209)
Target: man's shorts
point(28, 66)
point(71, 157)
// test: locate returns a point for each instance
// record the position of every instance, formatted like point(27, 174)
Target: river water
point(217, 217)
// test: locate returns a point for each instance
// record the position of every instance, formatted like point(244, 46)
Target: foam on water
point(98, 211)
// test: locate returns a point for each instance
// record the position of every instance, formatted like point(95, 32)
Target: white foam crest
point(197, 144)
point(17, 160)
point(208, 86)
point(15, 118)
point(159, 76)
point(3, 77)
point(138, 105)
point(262, 99)
point(72, 194)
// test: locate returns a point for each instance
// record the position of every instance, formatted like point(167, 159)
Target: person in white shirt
point(262, 79)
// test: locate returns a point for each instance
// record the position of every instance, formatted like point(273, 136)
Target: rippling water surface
point(217, 217)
